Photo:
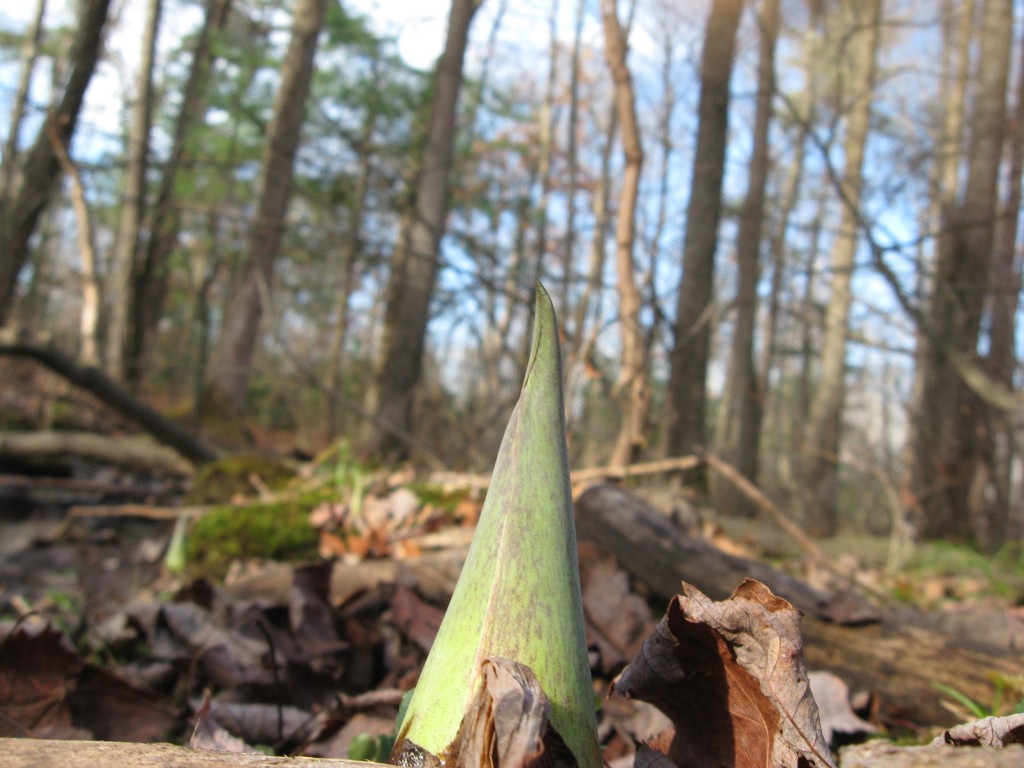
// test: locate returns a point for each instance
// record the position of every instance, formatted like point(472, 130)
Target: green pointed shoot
point(518, 596)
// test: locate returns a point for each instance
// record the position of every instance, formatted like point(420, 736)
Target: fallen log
point(131, 452)
point(96, 382)
point(900, 656)
point(32, 753)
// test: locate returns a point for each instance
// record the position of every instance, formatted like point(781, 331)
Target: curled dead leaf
point(731, 677)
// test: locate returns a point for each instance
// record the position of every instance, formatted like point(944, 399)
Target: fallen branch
point(675, 464)
point(732, 475)
point(126, 451)
point(96, 382)
point(145, 511)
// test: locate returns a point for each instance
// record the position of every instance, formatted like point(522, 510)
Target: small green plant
point(518, 597)
point(1008, 698)
point(374, 749)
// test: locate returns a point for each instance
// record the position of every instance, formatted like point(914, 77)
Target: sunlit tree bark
point(631, 388)
point(89, 316)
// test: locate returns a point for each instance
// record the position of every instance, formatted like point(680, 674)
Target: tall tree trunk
point(924, 423)
point(572, 171)
point(738, 437)
point(945, 447)
point(819, 451)
point(1005, 299)
point(150, 275)
point(19, 213)
point(251, 295)
point(684, 417)
point(415, 260)
point(134, 203)
point(631, 388)
point(89, 317)
point(29, 55)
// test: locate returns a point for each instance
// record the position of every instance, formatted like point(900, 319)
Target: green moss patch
point(229, 478)
point(277, 530)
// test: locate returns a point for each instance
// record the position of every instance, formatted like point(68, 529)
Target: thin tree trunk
point(416, 257)
point(945, 447)
point(819, 469)
point(29, 55)
point(686, 397)
point(924, 424)
point(546, 131)
point(572, 161)
point(738, 436)
point(631, 388)
point(92, 295)
point(231, 360)
point(350, 253)
point(134, 202)
point(150, 278)
point(597, 254)
point(19, 213)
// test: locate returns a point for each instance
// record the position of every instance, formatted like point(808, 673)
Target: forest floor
point(301, 608)
point(312, 658)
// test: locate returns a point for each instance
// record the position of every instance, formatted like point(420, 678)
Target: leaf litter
point(312, 659)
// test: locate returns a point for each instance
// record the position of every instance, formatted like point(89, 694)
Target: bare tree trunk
point(686, 397)
point(738, 436)
point(631, 387)
point(1005, 297)
point(350, 253)
point(572, 161)
point(819, 456)
point(92, 296)
point(231, 360)
point(134, 203)
point(947, 462)
point(597, 252)
point(29, 55)
point(415, 260)
point(19, 212)
point(546, 140)
point(924, 424)
point(150, 276)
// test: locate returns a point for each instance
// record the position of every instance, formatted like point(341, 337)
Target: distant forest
point(783, 232)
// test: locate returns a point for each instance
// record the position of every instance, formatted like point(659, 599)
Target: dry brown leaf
point(987, 732)
point(731, 677)
point(37, 672)
point(507, 723)
point(618, 620)
point(832, 696)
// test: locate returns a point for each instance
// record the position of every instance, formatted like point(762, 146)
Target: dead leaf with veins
point(987, 732)
point(731, 677)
